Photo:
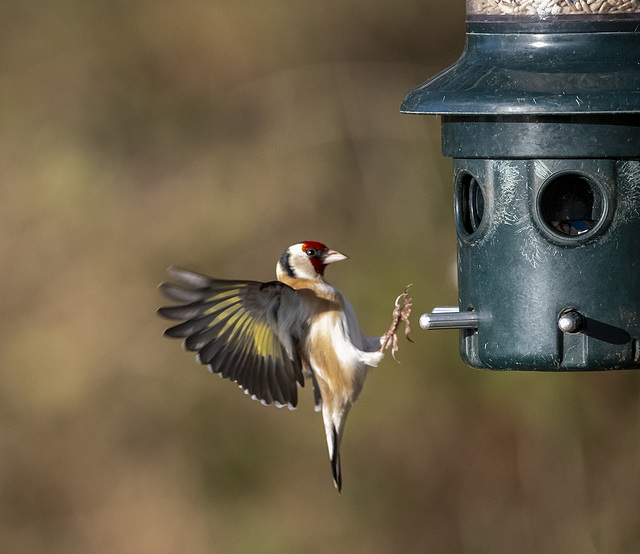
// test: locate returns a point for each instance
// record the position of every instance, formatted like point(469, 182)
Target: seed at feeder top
point(551, 7)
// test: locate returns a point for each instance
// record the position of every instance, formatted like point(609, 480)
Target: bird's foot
point(401, 313)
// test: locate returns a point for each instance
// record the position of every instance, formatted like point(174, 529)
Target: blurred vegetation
point(213, 134)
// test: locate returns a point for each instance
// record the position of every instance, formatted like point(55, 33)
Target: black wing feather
point(239, 330)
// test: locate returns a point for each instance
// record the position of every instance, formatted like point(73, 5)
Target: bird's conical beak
point(333, 256)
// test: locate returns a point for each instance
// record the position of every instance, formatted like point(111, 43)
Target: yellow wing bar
point(236, 329)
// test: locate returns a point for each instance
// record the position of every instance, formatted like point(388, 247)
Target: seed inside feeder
point(552, 7)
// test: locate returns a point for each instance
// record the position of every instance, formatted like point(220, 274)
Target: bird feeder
point(541, 115)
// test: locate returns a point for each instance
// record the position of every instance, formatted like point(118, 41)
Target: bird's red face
point(320, 256)
point(306, 260)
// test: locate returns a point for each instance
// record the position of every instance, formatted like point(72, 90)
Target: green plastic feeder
point(541, 115)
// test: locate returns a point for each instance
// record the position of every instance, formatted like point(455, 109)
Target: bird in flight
point(267, 337)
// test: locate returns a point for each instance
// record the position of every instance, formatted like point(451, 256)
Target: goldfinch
point(267, 337)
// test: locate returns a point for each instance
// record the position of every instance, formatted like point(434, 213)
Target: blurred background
point(213, 134)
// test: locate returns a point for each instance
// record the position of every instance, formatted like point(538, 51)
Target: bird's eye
point(311, 252)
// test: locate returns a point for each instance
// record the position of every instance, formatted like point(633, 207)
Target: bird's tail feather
point(336, 467)
point(334, 420)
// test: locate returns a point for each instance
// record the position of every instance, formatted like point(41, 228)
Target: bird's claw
point(401, 313)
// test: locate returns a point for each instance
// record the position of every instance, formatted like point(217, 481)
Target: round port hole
point(570, 205)
point(470, 203)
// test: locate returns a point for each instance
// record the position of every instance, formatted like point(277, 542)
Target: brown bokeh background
point(213, 134)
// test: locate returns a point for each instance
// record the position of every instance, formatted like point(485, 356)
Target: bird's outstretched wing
point(245, 331)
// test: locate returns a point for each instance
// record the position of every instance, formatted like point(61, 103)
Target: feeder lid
point(516, 72)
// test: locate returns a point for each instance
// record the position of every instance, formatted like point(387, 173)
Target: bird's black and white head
point(306, 260)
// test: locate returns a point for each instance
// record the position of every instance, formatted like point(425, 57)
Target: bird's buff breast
point(333, 357)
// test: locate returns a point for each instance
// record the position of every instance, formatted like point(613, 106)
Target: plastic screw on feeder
point(570, 321)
